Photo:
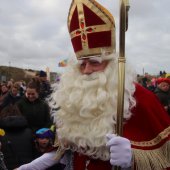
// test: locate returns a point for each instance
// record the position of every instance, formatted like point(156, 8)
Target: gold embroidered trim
point(164, 134)
point(157, 159)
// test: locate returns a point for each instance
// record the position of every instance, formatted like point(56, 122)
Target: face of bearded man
point(88, 106)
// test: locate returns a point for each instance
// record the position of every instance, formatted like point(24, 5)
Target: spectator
point(44, 141)
point(35, 110)
point(45, 87)
point(153, 81)
point(145, 79)
point(22, 87)
point(163, 92)
point(150, 86)
point(4, 91)
point(17, 144)
point(12, 97)
point(10, 83)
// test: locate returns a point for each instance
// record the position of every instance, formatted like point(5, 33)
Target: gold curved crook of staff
point(124, 7)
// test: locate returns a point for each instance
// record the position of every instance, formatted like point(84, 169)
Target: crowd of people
point(23, 111)
point(160, 86)
point(76, 128)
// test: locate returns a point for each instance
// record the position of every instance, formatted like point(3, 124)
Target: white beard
point(88, 108)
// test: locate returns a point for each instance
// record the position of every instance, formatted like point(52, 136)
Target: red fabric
point(91, 18)
point(148, 120)
point(96, 39)
point(77, 44)
point(79, 163)
point(74, 24)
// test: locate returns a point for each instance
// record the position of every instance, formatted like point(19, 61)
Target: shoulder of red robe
point(149, 132)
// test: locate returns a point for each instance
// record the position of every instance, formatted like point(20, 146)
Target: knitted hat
point(44, 133)
point(160, 80)
point(91, 28)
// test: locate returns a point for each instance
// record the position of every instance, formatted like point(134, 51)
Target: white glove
point(43, 162)
point(120, 151)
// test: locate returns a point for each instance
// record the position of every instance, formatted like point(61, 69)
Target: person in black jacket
point(11, 98)
point(163, 92)
point(35, 110)
point(17, 143)
point(45, 86)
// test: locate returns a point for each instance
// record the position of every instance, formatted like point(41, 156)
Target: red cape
point(148, 129)
point(148, 122)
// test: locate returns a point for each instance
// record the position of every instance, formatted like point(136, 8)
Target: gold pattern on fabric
point(161, 136)
point(156, 159)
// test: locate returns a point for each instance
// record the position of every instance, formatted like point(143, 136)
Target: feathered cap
point(44, 133)
point(91, 28)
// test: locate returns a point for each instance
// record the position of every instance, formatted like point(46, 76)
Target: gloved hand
point(120, 151)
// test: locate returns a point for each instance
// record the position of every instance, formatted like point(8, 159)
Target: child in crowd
point(44, 140)
point(163, 92)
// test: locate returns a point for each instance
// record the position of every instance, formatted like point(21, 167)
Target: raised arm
point(41, 163)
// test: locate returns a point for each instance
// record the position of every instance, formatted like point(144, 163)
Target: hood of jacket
point(13, 122)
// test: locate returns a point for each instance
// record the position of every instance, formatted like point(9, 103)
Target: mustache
point(90, 77)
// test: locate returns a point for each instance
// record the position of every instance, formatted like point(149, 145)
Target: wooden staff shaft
point(121, 68)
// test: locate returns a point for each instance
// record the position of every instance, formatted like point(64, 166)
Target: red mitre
point(148, 129)
point(91, 28)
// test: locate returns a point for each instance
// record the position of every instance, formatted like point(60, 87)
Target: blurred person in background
point(10, 83)
point(4, 91)
point(45, 86)
point(17, 143)
point(22, 87)
point(163, 92)
point(11, 97)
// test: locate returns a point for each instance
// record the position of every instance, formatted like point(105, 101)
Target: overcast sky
point(33, 33)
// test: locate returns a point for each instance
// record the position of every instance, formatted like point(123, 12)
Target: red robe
point(148, 129)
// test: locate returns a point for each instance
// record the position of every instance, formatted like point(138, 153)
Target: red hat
point(160, 80)
point(92, 29)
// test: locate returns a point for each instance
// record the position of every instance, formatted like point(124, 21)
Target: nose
point(88, 69)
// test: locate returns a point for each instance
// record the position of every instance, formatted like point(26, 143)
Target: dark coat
point(164, 97)
point(36, 113)
point(17, 145)
point(45, 89)
point(9, 99)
